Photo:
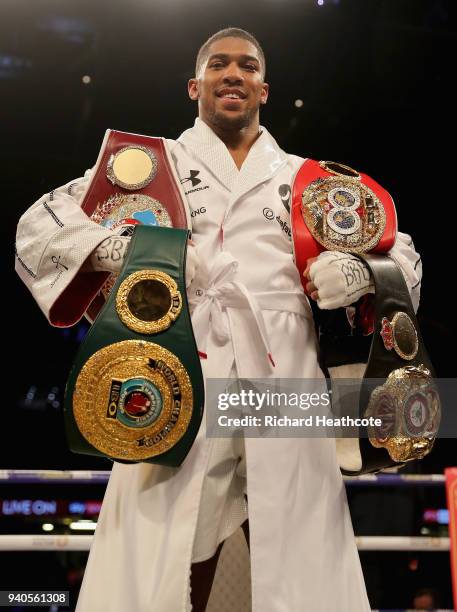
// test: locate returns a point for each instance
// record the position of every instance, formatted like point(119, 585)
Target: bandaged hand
point(110, 254)
point(338, 279)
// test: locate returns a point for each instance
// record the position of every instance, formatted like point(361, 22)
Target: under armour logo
point(192, 178)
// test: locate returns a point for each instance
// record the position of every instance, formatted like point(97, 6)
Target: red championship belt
point(337, 208)
point(134, 183)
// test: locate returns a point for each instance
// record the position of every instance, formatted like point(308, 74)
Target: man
point(159, 525)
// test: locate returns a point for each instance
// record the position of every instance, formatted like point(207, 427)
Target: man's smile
point(231, 93)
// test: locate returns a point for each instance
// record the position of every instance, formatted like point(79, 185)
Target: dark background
point(375, 77)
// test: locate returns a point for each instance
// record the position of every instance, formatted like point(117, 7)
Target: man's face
point(230, 87)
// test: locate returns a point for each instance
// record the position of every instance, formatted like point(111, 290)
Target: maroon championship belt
point(134, 183)
point(136, 391)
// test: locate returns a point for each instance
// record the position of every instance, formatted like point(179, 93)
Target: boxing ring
point(231, 589)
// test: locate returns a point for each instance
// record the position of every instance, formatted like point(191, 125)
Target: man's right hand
point(110, 254)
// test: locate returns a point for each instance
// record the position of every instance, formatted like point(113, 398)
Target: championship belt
point(336, 208)
point(407, 402)
point(135, 392)
point(134, 183)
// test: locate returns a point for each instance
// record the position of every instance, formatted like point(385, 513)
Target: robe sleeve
point(54, 239)
point(406, 256)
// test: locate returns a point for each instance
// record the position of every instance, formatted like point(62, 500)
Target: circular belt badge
point(133, 400)
point(345, 198)
point(400, 334)
point(140, 402)
point(341, 212)
point(414, 407)
point(343, 222)
point(417, 413)
point(132, 167)
point(148, 301)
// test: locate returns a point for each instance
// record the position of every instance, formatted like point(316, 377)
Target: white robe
point(303, 553)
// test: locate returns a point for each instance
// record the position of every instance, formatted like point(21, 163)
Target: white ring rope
point(45, 542)
point(55, 476)
point(101, 476)
point(402, 543)
point(83, 542)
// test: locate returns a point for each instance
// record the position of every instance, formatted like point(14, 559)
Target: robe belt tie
point(209, 310)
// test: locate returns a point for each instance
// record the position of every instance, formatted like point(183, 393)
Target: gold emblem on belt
point(148, 301)
point(408, 406)
point(342, 213)
point(132, 167)
point(133, 400)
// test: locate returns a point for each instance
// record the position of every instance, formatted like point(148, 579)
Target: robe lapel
point(263, 161)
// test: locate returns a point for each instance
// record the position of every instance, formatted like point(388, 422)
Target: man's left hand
point(337, 279)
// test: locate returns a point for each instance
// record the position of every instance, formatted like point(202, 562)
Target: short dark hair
point(203, 52)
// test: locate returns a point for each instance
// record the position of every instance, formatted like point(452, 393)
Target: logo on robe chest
point(192, 182)
point(192, 178)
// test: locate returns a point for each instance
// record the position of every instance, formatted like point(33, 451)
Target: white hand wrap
point(110, 254)
point(340, 278)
